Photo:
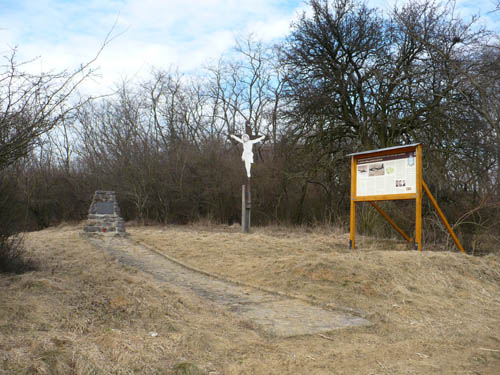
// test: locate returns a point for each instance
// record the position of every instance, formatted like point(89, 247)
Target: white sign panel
point(386, 175)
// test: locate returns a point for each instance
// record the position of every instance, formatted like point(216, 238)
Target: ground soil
point(83, 312)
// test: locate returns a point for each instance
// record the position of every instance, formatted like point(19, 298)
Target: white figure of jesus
point(247, 155)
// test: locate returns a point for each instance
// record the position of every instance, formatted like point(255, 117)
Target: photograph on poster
point(376, 169)
point(362, 169)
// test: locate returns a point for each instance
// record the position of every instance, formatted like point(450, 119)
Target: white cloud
point(159, 33)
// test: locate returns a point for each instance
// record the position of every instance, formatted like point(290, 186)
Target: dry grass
point(442, 305)
point(84, 313)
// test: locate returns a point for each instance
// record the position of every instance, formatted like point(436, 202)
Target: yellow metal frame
point(420, 187)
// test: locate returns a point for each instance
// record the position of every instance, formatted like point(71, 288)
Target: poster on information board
point(386, 175)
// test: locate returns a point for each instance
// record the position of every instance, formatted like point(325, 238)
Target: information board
point(386, 175)
point(389, 174)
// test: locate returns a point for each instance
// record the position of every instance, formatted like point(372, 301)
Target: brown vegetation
point(84, 313)
point(347, 78)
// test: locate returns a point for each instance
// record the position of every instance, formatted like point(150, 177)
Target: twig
point(490, 350)
point(422, 355)
point(325, 337)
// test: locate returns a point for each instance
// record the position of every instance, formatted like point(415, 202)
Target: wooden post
point(249, 206)
point(352, 224)
point(246, 205)
point(244, 226)
point(418, 200)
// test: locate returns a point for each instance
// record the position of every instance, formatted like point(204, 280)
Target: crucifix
point(247, 157)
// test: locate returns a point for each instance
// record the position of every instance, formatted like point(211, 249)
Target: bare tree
point(33, 104)
point(472, 57)
point(246, 88)
point(358, 76)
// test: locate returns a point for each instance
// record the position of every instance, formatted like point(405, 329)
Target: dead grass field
point(82, 312)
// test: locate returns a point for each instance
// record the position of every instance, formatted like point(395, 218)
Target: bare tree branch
point(33, 104)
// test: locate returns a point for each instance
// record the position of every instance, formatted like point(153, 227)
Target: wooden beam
point(386, 197)
point(443, 218)
point(388, 218)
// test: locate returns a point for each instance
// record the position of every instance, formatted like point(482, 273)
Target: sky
point(165, 34)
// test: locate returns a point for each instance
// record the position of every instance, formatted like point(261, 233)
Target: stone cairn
point(104, 215)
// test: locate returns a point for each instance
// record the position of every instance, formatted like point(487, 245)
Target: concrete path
point(276, 314)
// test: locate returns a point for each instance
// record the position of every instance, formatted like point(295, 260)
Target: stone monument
point(104, 215)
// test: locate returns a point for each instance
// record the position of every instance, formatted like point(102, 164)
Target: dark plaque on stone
point(105, 208)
